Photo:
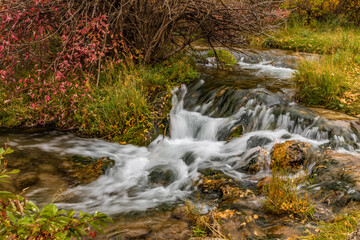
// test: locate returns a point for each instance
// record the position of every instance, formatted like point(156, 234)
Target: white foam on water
point(266, 69)
point(193, 146)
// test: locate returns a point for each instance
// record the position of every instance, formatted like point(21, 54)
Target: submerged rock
point(257, 141)
point(236, 132)
point(336, 179)
point(252, 165)
point(86, 169)
point(26, 180)
point(172, 224)
point(161, 176)
point(290, 154)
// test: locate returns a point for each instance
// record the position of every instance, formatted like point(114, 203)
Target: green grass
point(336, 229)
point(126, 107)
point(132, 99)
point(332, 82)
point(119, 111)
point(316, 37)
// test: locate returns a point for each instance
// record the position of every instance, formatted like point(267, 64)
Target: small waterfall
point(201, 119)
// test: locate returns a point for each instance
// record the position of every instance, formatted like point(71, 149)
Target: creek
point(256, 96)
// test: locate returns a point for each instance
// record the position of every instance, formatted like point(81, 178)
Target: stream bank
point(203, 162)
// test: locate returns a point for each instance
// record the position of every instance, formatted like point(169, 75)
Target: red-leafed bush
point(52, 51)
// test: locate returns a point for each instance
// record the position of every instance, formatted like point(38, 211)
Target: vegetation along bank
point(104, 68)
point(329, 28)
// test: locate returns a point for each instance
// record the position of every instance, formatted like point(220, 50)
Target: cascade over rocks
point(336, 179)
point(225, 129)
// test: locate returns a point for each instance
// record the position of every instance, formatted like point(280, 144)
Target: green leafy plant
point(22, 219)
point(198, 232)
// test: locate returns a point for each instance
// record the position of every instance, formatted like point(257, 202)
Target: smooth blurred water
point(202, 118)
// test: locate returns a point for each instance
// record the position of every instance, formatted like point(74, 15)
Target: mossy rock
point(216, 182)
point(253, 166)
point(86, 169)
point(289, 155)
point(236, 132)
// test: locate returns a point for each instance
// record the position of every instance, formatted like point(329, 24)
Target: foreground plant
point(337, 229)
point(22, 219)
point(208, 225)
point(281, 197)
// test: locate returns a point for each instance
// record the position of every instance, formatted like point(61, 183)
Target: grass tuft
point(336, 229)
point(281, 197)
point(334, 81)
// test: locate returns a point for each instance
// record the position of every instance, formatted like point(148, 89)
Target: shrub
point(281, 197)
point(22, 219)
point(325, 9)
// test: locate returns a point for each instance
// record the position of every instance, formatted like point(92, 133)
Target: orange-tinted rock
point(290, 154)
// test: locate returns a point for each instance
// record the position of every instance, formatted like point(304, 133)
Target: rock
point(253, 165)
point(322, 213)
point(26, 180)
point(355, 125)
point(333, 115)
point(188, 158)
point(283, 232)
point(257, 141)
point(86, 169)
point(356, 234)
point(161, 176)
point(290, 154)
point(156, 226)
point(337, 177)
point(136, 233)
point(286, 136)
point(236, 132)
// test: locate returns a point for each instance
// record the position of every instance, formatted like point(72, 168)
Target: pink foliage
point(57, 59)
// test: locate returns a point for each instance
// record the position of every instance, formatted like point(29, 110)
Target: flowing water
point(255, 95)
